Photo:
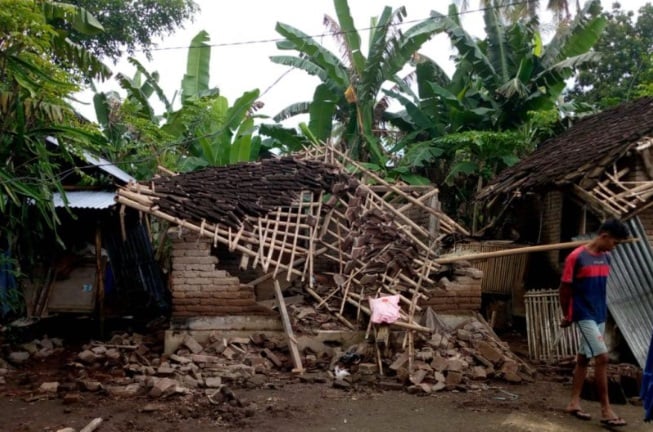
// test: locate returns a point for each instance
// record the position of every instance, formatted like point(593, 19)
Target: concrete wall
point(199, 288)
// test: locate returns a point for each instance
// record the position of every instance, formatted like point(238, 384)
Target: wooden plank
point(287, 326)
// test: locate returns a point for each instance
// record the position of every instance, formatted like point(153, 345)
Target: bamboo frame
point(290, 235)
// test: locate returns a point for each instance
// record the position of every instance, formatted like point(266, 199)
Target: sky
point(243, 32)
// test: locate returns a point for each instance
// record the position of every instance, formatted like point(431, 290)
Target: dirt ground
point(290, 405)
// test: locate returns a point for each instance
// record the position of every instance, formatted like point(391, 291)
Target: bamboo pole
point(99, 277)
point(443, 216)
point(192, 227)
point(314, 235)
point(294, 243)
point(341, 318)
point(272, 240)
point(515, 251)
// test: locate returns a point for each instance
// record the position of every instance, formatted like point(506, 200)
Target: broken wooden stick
point(287, 326)
point(94, 424)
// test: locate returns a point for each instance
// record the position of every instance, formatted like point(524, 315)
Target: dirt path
point(320, 408)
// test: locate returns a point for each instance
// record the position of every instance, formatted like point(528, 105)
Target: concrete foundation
point(200, 328)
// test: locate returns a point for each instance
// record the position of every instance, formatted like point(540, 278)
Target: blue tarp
point(7, 283)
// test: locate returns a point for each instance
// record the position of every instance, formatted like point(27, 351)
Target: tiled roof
point(581, 152)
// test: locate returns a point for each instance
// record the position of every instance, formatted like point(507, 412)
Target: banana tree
point(207, 130)
point(500, 82)
point(349, 94)
point(221, 134)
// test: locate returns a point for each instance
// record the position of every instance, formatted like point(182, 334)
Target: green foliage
point(130, 25)
point(33, 105)
point(218, 134)
point(514, 10)
point(503, 98)
point(350, 94)
point(204, 131)
point(625, 71)
point(195, 83)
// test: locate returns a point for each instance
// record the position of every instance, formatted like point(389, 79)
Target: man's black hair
point(615, 228)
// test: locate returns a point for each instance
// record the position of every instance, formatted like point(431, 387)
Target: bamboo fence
point(547, 341)
point(501, 275)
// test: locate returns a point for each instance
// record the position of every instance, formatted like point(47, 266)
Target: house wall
point(199, 288)
point(551, 225)
point(639, 172)
point(646, 217)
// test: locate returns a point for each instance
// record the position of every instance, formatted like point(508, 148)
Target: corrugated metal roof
point(107, 167)
point(630, 291)
point(99, 162)
point(86, 199)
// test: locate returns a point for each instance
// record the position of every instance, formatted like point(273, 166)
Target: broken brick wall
point(198, 287)
point(460, 292)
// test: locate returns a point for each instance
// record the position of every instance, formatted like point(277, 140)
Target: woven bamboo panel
point(546, 340)
point(502, 274)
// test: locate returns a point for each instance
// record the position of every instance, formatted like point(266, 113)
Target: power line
point(322, 35)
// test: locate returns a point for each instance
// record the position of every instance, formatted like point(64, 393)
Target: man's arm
point(565, 303)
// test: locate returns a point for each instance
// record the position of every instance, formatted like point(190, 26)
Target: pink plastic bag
point(385, 309)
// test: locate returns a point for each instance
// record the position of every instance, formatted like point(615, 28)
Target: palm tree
point(513, 11)
point(350, 93)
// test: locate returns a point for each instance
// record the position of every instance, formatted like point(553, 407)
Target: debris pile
point(459, 358)
point(37, 349)
point(131, 365)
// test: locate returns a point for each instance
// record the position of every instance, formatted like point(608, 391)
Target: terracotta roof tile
point(593, 142)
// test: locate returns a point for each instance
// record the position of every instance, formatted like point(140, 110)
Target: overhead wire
point(335, 33)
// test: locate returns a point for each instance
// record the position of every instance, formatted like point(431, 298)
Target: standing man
point(583, 301)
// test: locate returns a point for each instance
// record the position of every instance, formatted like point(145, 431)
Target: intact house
point(600, 167)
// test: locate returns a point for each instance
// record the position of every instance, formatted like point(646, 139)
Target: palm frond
point(332, 26)
point(577, 37)
point(153, 81)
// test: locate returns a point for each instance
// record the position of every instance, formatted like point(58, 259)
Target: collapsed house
point(600, 167)
point(249, 233)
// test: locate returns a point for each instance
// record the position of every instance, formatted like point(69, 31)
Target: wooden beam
point(287, 326)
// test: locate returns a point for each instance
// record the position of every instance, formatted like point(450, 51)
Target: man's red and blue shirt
point(587, 273)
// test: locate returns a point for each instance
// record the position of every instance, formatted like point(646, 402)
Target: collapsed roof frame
point(378, 249)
